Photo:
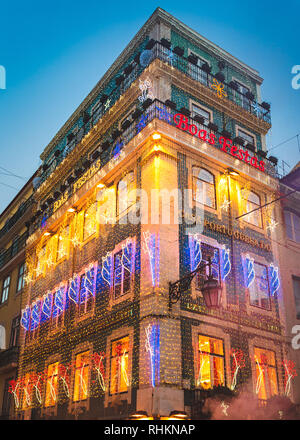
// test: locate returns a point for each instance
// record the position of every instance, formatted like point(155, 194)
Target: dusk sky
point(55, 52)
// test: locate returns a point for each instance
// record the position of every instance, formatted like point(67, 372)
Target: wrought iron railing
point(159, 110)
point(9, 356)
point(181, 63)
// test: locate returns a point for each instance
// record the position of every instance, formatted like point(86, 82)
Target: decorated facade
point(161, 172)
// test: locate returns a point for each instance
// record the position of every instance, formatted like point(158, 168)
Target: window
point(2, 338)
point(266, 374)
point(86, 292)
point(41, 261)
point(214, 254)
point(292, 225)
point(89, 223)
point(63, 243)
point(247, 137)
point(15, 331)
point(240, 96)
point(259, 289)
point(81, 379)
point(27, 391)
point(253, 202)
point(15, 246)
point(196, 110)
point(119, 366)
point(204, 187)
point(5, 289)
point(7, 398)
point(122, 269)
point(210, 370)
point(58, 307)
point(21, 277)
point(195, 72)
point(296, 289)
point(125, 196)
point(51, 385)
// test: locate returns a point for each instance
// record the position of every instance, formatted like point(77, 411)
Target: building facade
point(13, 235)
point(161, 171)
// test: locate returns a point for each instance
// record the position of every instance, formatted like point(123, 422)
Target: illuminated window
point(5, 289)
point(21, 278)
point(253, 202)
point(63, 243)
point(81, 379)
point(89, 223)
point(86, 292)
point(125, 196)
point(26, 392)
point(266, 374)
point(119, 366)
point(292, 225)
point(58, 306)
point(259, 289)
point(51, 385)
point(204, 187)
point(214, 254)
point(122, 265)
point(210, 369)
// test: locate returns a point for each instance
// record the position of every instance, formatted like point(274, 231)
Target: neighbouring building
point(106, 332)
point(13, 235)
point(289, 259)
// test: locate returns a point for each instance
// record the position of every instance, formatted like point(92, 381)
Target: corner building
point(101, 336)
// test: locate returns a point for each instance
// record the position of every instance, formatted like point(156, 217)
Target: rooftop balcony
point(186, 66)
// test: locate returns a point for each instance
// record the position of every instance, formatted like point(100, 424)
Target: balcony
point(155, 110)
point(18, 214)
point(13, 250)
point(180, 63)
point(9, 359)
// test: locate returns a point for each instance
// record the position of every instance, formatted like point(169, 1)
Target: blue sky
point(55, 52)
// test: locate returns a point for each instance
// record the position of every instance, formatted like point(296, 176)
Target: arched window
point(2, 337)
point(253, 202)
point(292, 225)
point(125, 196)
point(204, 187)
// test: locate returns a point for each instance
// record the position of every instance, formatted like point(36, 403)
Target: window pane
point(201, 112)
point(296, 289)
point(51, 384)
point(81, 376)
point(266, 374)
point(296, 221)
point(89, 227)
point(248, 138)
point(203, 187)
point(211, 362)
point(288, 224)
point(259, 289)
point(119, 366)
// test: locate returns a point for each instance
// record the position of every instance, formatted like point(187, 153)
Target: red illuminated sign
point(181, 122)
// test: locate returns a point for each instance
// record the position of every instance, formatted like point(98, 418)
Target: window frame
point(46, 405)
point(194, 177)
point(86, 313)
point(111, 358)
point(246, 217)
point(247, 133)
point(15, 331)
point(88, 353)
point(5, 289)
point(21, 276)
point(292, 214)
point(132, 187)
point(267, 385)
point(129, 293)
point(211, 357)
point(269, 293)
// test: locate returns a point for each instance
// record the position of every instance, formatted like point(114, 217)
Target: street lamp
point(211, 289)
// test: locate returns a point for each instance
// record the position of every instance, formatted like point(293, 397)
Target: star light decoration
point(225, 205)
point(107, 104)
point(272, 224)
point(219, 87)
